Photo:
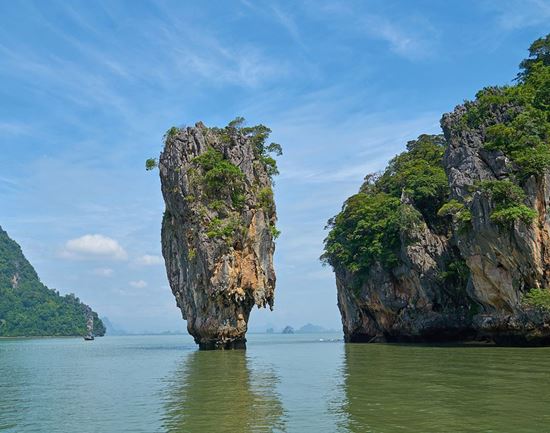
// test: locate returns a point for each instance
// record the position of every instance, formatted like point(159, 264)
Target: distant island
point(308, 328)
point(28, 308)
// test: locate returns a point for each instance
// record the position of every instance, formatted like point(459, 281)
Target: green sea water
point(282, 383)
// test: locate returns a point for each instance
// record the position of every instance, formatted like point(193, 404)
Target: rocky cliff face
point(218, 228)
point(416, 301)
point(505, 263)
point(478, 267)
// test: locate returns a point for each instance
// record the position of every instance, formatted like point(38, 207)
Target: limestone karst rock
point(452, 241)
point(218, 229)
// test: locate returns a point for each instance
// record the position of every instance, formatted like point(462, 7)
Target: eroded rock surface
point(414, 302)
point(218, 230)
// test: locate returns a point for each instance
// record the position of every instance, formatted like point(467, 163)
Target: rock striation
point(218, 229)
point(477, 268)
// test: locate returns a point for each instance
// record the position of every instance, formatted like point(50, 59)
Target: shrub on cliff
point(508, 201)
point(258, 135)
point(537, 298)
point(219, 176)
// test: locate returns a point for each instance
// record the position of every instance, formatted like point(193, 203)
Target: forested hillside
point(28, 307)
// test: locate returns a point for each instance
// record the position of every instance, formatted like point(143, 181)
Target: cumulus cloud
point(94, 246)
point(103, 272)
point(149, 260)
point(139, 284)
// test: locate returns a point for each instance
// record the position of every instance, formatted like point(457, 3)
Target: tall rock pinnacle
point(218, 229)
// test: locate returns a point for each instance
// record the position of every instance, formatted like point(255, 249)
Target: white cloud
point(94, 246)
point(14, 128)
point(139, 284)
point(103, 272)
point(515, 14)
point(149, 260)
point(407, 43)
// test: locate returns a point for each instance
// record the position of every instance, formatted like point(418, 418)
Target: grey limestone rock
point(217, 242)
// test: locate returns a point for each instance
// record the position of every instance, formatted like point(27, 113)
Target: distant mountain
point(111, 329)
point(288, 330)
point(28, 307)
point(310, 329)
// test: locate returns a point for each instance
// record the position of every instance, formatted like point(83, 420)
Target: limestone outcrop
point(452, 240)
point(218, 229)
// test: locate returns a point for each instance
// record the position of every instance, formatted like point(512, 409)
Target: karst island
point(219, 226)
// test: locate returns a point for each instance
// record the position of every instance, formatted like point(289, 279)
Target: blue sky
point(88, 88)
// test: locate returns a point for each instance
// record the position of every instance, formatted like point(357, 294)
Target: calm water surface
point(282, 383)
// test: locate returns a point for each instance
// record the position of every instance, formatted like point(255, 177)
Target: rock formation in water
point(452, 241)
point(28, 308)
point(218, 229)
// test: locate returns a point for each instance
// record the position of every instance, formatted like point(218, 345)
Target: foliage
point(419, 173)
point(258, 135)
point(368, 228)
point(220, 176)
point(265, 199)
point(457, 273)
point(507, 216)
point(151, 164)
point(275, 233)
point(366, 231)
point(171, 133)
point(457, 211)
point(223, 228)
point(523, 134)
point(538, 298)
point(28, 308)
point(525, 140)
point(508, 199)
point(539, 52)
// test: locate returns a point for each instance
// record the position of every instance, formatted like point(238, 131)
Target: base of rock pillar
point(239, 344)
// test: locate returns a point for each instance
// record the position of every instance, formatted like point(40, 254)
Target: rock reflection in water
point(219, 391)
point(433, 389)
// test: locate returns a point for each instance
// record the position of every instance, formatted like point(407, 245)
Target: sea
point(281, 383)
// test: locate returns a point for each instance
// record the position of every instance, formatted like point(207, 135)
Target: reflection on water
point(289, 383)
point(396, 388)
point(218, 391)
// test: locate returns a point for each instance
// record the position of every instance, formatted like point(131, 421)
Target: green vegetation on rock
point(366, 231)
point(537, 298)
point(419, 174)
point(457, 211)
point(220, 177)
point(258, 135)
point(523, 134)
point(28, 307)
point(508, 199)
point(369, 227)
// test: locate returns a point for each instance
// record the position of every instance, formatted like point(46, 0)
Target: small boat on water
point(89, 325)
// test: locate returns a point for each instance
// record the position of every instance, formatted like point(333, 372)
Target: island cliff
point(218, 229)
point(452, 240)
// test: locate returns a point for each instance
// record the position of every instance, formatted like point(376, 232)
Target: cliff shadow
point(220, 391)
